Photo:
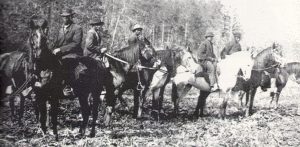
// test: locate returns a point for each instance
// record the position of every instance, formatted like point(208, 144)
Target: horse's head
point(38, 35)
point(147, 52)
point(269, 58)
point(184, 57)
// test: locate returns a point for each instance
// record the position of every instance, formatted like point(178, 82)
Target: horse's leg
point(21, 110)
point(54, 101)
point(279, 89)
point(250, 105)
point(175, 98)
point(110, 96)
point(96, 101)
point(136, 96)
point(85, 110)
point(12, 106)
point(226, 97)
point(201, 102)
point(42, 108)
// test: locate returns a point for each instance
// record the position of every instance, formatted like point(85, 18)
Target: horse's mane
point(129, 53)
point(293, 67)
point(263, 52)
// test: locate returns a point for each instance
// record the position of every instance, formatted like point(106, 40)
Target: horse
point(265, 62)
point(171, 59)
point(281, 78)
point(17, 67)
point(230, 67)
point(131, 68)
point(89, 80)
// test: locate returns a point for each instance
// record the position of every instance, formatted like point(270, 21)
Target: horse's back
point(11, 62)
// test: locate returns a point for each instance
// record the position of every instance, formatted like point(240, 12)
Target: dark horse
point(127, 73)
point(281, 77)
point(89, 80)
point(265, 62)
point(17, 67)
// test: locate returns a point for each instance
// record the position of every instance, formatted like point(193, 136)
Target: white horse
point(239, 62)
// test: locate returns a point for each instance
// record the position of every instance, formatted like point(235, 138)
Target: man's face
point(98, 27)
point(138, 32)
point(209, 38)
point(237, 39)
point(67, 20)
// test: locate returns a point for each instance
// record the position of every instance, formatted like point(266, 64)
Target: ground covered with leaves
point(266, 127)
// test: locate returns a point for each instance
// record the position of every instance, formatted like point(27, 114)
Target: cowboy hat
point(136, 26)
point(96, 21)
point(209, 34)
point(67, 12)
point(237, 34)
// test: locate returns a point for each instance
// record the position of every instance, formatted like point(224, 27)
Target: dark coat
point(133, 39)
point(206, 51)
point(231, 48)
point(69, 42)
point(92, 44)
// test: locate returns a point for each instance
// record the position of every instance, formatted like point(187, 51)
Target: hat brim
point(97, 23)
point(137, 29)
point(66, 14)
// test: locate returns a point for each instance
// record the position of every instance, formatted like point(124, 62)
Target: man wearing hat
point(144, 46)
point(208, 59)
point(93, 47)
point(233, 46)
point(67, 45)
point(137, 37)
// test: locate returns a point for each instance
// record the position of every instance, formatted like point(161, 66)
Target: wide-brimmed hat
point(67, 12)
point(237, 34)
point(96, 21)
point(136, 26)
point(209, 34)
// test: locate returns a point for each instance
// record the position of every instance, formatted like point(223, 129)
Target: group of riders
point(67, 47)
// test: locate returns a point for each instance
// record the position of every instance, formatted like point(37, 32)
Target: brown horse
point(89, 80)
point(17, 67)
point(282, 76)
point(127, 73)
point(265, 62)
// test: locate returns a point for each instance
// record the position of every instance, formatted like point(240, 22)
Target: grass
point(266, 127)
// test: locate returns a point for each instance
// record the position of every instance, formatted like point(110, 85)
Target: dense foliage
point(174, 21)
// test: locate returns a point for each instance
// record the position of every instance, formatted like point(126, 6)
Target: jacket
point(231, 48)
point(69, 41)
point(206, 51)
point(92, 44)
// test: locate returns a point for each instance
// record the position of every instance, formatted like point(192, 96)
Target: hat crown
point(136, 26)
point(67, 12)
point(237, 34)
point(96, 21)
point(209, 34)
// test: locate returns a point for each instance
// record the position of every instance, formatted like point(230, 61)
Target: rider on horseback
point(233, 46)
point(144, 44)
point(208, 59)
point(93, 44)
point(67, 46)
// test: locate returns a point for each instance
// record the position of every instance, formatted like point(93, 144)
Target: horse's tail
point(4, 58)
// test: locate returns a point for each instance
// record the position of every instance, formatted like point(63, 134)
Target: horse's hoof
point(82, 131)
point(93, 133)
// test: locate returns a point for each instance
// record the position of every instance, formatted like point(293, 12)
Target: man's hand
point(55, 51)
point(103, 50)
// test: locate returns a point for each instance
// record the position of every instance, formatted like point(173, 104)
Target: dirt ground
point(266, 127)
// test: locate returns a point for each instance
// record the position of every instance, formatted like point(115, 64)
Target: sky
point(265, 21)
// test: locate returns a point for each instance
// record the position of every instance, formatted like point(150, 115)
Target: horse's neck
point(129, 54)
point(293, 68)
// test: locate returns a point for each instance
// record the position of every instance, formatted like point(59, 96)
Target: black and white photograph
point(153, 73)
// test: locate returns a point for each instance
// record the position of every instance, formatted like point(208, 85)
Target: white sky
point(265, 21)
